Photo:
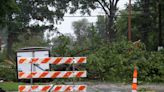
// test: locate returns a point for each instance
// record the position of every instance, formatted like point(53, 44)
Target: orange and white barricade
point(51, 88)
point(69, 88)
point(34, 88)
point(53, 60)
point(52, 74)
point(134, 84)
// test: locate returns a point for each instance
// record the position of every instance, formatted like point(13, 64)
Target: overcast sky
point(66, 25)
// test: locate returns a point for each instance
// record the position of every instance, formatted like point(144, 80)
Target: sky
point(66, 25)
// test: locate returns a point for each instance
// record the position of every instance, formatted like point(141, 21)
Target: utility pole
point(129, 20)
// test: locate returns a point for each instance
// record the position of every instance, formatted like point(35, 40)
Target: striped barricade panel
point(52, 74)
point(69, 88)
point(53, 60)
point(34, 88)
point(51, 88)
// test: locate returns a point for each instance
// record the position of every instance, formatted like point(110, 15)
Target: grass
point(146, 90)
point(9, 86)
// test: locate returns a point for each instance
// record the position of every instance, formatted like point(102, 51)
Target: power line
point(102, 15)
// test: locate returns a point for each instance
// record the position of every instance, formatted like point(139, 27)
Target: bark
point(111, 27)
point(160, 23)
point(110, 11)
point(9, 45)
point(111, 31)
point(145, 26)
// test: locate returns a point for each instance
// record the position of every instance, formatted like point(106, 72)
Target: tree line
point(24, 23)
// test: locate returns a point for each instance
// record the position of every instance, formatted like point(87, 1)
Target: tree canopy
point(6, 7)
point(110, 55)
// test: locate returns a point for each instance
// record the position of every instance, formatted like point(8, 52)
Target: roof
point(33, 49)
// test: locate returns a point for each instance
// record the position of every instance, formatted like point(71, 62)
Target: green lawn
point(9, 86)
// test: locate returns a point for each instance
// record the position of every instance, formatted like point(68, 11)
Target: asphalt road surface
point(110, 87)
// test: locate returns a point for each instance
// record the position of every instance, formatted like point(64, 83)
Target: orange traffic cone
point(134, 84)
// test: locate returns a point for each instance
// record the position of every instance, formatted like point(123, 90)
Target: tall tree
point(36, 11)
point(62, 45)
point(81, 29)
point(88, 37)
point(145, 6)
point(6, 7)
point(101, 27)
point(108, 6)
point(144, 23)
point(160, 22)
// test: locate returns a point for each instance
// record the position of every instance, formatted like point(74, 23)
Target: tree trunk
point(111, 18)
point(9, 45)
point(111, 32)
point(145, 26)
point(160, 23)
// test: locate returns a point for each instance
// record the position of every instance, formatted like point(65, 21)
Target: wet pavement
point(106, 90)
point(116, 87)
point(109, 87)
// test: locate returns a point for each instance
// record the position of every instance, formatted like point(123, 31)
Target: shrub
point(115, 62)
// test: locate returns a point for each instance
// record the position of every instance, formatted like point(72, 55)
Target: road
point(110, 87)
